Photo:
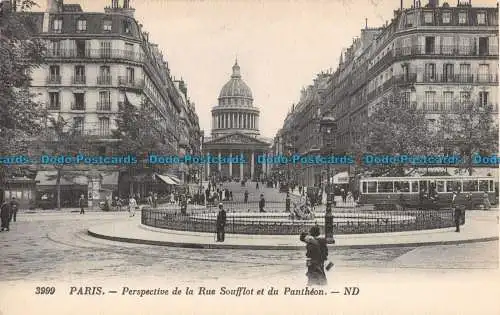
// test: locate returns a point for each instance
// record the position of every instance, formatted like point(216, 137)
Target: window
point(464, 97)
point(430, 45)
point(79, 75)
point(465, 73)
point(465, 46)
point(428, 17)
point(405, 98)
point(126, 27)
point(78, 125)
point(447, 46)
point(57, 25)
point(483, 46)
point(81, 48)
point(430, 100)
point(409, 20)
point(484, 73)
point(55, 48)
point(129, 50)
point(105, 49)
point(481, 18)
point(483, 99)
point(462, 17)
point(54, 76)
point(430, 72)
point(79, 103)
point(130, 75)
point(446, 17)
point(104, 75)
point(81, 25)
point(104, 100)
point(107, 25)
point(448, 70)
point(448, 100)
point(54, 100)
point(103, 126)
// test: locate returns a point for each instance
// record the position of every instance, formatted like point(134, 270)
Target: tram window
point(440, 186)
point(453, 185)
point(402, 186)
point(424, 185)
point(364, 187)
point(483, 185)
point(385, 187)
point(414, 186)
point(470, 185)
point(372, 187)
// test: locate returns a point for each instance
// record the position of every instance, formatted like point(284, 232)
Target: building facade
point(95, 62)
point(235, 132)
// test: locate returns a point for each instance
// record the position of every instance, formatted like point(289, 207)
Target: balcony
point(130, 83)
point(78, 106)
point(103, 106)
point(54, 106)
point(443, 50)
point(403, 79)
point(104, 80)
point(53, 79)
point(68, 53)
point(79, 79)
point(459, 78)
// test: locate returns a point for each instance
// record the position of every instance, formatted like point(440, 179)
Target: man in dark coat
point(262, 203)
point(5, 215)
point(81, 204)
point(221, 223)
point(287, 202)
point(14, 206)
point(246, 196)
point(317, 253)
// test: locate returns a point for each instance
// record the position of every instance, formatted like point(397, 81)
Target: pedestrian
point(155, 200)
point(5, 215)
point(344, 195)
point(221, 223)
point(287, 202)
point(486, 201)
point(257, 185)
point(207, 193)
point(14, 206)
point(81, 204)
point(262, 203)
point(132, 205)
point(231, 195)
point(317, 254)
point(246, 196)
point(118, 203)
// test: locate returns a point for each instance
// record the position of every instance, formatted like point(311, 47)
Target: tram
point(416, 191)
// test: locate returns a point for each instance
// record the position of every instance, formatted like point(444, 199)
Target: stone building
point(94, 63)
point(235, 132)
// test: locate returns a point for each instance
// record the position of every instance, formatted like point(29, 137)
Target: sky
point(280, 45)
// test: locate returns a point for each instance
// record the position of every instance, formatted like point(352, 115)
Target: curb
point(280, 247)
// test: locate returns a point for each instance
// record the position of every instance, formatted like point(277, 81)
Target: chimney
point(401, 5)
point(126, 4)
point(52, 6)
point(366, 23)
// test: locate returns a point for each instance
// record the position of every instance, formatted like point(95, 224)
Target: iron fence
point(280, 223)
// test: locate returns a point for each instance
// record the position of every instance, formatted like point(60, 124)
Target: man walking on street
point(14, 206)
point(262, 203)
point(5, 215)
point(221, 224)
point(132, 205)
point(81, 204)
point(246, 196)
point(287, 202)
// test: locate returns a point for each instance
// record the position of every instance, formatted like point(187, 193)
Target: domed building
point(235, 132)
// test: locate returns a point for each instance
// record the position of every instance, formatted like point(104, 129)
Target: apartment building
point(436, 56)
point(94, 63)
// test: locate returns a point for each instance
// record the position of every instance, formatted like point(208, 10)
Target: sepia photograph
point(249, 157)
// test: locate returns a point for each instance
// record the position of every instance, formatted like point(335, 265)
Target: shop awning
point(166, 179)
point(133, 99)
point(175, 179)
point(49, 178)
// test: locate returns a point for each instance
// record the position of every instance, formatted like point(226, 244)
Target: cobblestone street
point(55, 246)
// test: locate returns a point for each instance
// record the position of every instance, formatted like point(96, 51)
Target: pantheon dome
point(235, 111)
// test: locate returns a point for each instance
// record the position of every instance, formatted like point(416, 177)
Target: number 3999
point(45, 290)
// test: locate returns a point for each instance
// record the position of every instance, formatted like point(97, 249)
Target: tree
point(470, 129)
point(20, 53)
point(61, 138)
point(140, 133)
point(396, 128)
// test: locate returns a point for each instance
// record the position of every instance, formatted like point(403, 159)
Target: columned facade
point(235, 133)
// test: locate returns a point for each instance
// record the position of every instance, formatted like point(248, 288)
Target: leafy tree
point(469, 129)
point(396, 128)
point(61, 138)
point(20, 53)
point(140, 134)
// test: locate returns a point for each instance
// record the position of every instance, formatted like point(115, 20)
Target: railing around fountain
point(355, 221)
